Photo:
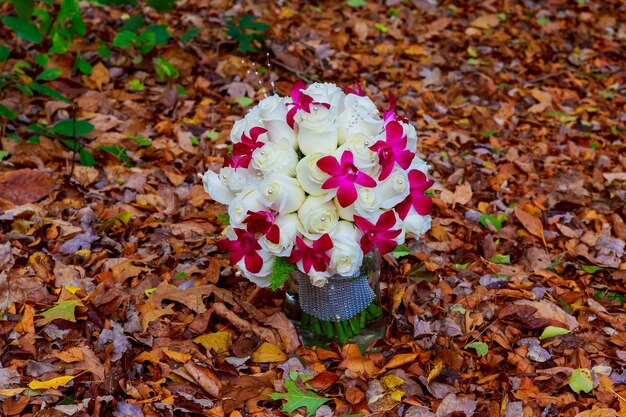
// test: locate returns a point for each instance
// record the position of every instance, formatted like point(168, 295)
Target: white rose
point(214, 186)
point(346, 256)
point(317, 216)
point(273, 114)
point(275, 158)
point(359, 115)
point(241, 126)
point(261, 278)
point(317, 131)
point(416, 223)
point(411, 135)
point(326, 93)
point(237, 179)
point(318, 279)
point(246, 200)
point(365, 159)
point(288, 226)
point(393, 189)
point(366, 205)
point(281, 193)
point(310, 176)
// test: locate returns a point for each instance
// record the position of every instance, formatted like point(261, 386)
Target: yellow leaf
point(220, 342)
point(434, 373)
point(177, 356)
point(414, 49)
point(391, 383)
point(51, 383)
point(11, 391)
point(267, 352)
point(285, 13)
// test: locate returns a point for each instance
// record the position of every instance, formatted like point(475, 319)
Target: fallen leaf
point(399, 360)
point(22, 186)
point(530, 222)
point(220, 342)
point(462, 195)
point(99, 76)
point(598, 412)
point(268, 352)
point(486, 21)
point(51, 383)
point(177, 356)
point(544, 98)
point(581, 380)
point(63, 310)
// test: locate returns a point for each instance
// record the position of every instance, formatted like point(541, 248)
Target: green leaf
point(212, 135)
point(23, 8)
point(481, 348)
point(280, 273)
point(162, 5)
point(50, 92)
point(143, 142)
point(472, 52)
point(42, 60)
point(135, 85)
point(473, 61)
point(400, 251)
point(381, 27)
point(191, 33)
point(461, 266)
point(552, 331)
point(3, 154)
point(133, 23)
point(60, 42)
point(164, 69)
point(357, 3)
point(124, 39)
point(49, 74)
point(244, 101)
point(296, 399)
point(580, 380)
point(543, 20)
point(484, 218)
point(73, 128)
point(86, 158)
point(161, 35)
point(64, 310)
point(459, 309)
point(4, 53)
point(501, 259)
point(117, 151)
point(591, 269)
point(6, 113)
point(82, 65)
point(22, 28)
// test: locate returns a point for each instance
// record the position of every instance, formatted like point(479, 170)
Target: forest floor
point(115, 300)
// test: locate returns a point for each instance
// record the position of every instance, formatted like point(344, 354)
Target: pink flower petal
point(329, 165)
point(346, 194)
point(253, 262)
point(365, 180)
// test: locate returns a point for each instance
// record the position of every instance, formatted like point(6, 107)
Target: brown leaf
point(598, 412)
point(354, 395)
point(323, 380)
point(203, 377)
point(544, 98)
point(286, 330)
point(399, 360)
point(462, 195)
point(530, 222)
point(486, 21)
point(99, 76)
point(22, 186)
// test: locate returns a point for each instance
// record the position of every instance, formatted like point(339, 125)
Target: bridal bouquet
point(316, 181)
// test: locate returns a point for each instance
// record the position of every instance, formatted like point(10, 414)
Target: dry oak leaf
point(73, 354)
point(544, 98)
point(549, 311)
point(203, 377)
point(462, 195)
point(286, 331)
point(399, 360)
point(486, 21)
point(22, 186)
point(99, 77)
point(598, 412)
point(192, 297)
point(530, 222)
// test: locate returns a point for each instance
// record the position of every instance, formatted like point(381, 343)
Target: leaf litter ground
point(116, 302)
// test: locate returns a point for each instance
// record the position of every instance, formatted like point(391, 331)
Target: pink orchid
point(263, 222)
point(357, 90)
point(244, 247)
point(344, 177)
point(421, 203)
point(392, 150)
point(390, 115)
point(315, 256)
point(301, 101)
point(242, 150)
point(379, 235)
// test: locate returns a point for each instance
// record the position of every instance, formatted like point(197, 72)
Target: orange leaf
point(177, 356)
point(71, 355)
point(530, 222)
point(323, 380)
point(399, 360)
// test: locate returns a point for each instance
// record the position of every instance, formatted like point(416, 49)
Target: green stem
point(327, 327)
point(374, 310)
point(362, 319)
point(306, 319)
point(346, 328)
point(315, 325)
point(340, 333)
